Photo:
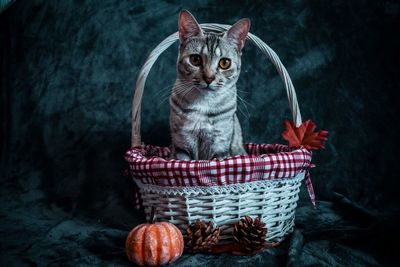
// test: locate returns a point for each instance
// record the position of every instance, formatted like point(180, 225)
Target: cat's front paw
point(180, 154)
point(238, 150)
point(221, 155)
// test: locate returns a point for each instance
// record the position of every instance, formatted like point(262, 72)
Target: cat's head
point(209, 61)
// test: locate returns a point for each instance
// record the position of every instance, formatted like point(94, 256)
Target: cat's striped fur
point(203, 102)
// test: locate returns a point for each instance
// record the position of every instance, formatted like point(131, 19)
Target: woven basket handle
point(137, 99)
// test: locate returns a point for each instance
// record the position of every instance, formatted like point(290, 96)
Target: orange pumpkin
point(153, 244)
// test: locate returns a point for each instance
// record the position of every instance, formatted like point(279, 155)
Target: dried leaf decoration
point(304, 135)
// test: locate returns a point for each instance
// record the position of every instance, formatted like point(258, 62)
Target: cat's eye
point(224, 63)
point(195, 60)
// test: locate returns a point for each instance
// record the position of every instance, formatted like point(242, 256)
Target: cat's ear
point(188, 26)
point(238, 33)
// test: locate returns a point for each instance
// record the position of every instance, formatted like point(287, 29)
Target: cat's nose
point(209, 79)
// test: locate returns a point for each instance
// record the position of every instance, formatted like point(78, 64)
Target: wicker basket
point(273, 198)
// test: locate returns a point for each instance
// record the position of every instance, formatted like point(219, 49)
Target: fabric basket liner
point(150, 164)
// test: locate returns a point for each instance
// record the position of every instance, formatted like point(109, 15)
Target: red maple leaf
point(304, 135)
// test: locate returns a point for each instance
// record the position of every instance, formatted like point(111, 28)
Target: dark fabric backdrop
point(68, 70)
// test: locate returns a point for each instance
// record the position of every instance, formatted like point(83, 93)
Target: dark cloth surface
point(68, 70)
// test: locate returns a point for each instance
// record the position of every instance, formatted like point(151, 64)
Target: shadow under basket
point(264, 183)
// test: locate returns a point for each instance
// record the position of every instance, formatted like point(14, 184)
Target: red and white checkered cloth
point(150, 164)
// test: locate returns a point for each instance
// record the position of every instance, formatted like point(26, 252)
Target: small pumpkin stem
point(152, 214)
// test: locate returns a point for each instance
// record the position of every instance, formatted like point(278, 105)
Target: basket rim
point(147, 165)
point(220, 189)
point(273, 149)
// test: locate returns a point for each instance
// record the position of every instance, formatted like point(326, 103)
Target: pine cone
point(201, 236)
point(250, 234)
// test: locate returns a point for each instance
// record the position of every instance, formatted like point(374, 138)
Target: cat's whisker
point(246, 116)
point(186, 93)
point(242, 99)
point(178, 89)
point(245, 112)
point(243, 91)
point(171, 86)
point(245, 101)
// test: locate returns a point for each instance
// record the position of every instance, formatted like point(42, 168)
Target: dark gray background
point(68, 71)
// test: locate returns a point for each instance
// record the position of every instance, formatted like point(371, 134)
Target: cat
point(203, 101)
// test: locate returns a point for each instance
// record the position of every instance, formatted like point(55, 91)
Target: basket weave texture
point(264, 183)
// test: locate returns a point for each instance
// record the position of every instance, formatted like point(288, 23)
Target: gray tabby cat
point(203, 102)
